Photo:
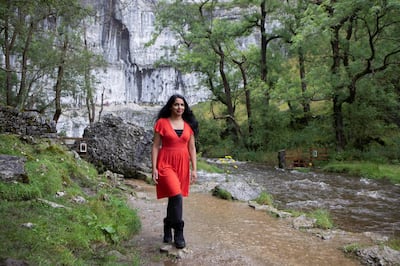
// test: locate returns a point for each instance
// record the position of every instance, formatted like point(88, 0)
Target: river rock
point(379, 256)
point(119, 146)
point(240, 190)
point(303, 222)
point(270, 209)
point(12, 169)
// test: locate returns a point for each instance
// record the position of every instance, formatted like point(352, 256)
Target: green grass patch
point(78, 233)
point(203, 165)
point(351, 248)
point(323, 217)
point(366, 169)
point(222, 193)
point(265, 199)
point(394, 243)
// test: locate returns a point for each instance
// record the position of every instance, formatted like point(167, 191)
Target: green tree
point(364, 38)
point(46, 57)
point(208, 45)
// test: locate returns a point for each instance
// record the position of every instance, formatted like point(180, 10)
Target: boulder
point(239, 190)
point(12, 169)
point(119, 146)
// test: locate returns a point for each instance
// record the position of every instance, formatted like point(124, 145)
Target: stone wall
point(25, 123)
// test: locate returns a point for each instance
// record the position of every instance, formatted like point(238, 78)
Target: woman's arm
point(154, 155)
point(193, 158)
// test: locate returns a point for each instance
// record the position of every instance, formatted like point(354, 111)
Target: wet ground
point(356, 204)
point(220, 232)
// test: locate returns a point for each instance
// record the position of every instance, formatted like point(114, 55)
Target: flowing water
point(356, 204)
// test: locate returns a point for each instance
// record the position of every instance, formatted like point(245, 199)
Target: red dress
point(173, 161)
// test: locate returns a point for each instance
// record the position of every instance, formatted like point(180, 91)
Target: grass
point(351, 248)
point(323, 218)
point(203, 165)
point(80, 233)
point(265, 199)
point(394, 243)
point(222, 193)
point(366, 169)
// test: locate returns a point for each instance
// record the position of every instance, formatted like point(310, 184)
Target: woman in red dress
point(173, 152)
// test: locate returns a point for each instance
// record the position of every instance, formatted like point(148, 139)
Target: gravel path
point(219, 232)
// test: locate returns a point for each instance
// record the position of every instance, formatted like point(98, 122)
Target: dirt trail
point(219, 232)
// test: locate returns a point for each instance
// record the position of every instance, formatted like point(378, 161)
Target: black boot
point(167, 231)
point(178, 235)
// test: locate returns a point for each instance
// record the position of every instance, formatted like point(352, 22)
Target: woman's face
point(178, 107)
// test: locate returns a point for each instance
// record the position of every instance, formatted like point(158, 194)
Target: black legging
point(174, 209)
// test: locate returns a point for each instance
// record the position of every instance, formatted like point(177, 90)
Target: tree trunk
point(305, 101)
point(247, 96)
point(60, 76)
point(263, 63)
point(91, 107)
point(337, 103)
point(227, 90)
point(264, 43)
point(338, 124)
point(22, 93)
point(8, 45)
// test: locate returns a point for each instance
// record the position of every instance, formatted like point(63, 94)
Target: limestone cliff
point(120, 31)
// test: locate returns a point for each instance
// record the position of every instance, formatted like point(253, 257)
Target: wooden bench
point(302, 157)
point(318, 154)
point(297, 158)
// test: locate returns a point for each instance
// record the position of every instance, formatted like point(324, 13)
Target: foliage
point(351, 248)
point(205, 166)
point(366, 169)
point(265, 199)
point(323, 218)
point(342, 50)
point(78, 234)
point(46, 57)
point(221, 193)
point(394, 243)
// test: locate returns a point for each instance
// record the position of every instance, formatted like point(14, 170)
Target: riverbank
point(220, 232)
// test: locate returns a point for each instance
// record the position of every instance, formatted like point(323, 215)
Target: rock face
point(120, 147)
point(120, 32)
point(25, 123)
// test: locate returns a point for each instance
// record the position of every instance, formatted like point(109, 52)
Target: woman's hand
point(155, 176)
point(193, 177)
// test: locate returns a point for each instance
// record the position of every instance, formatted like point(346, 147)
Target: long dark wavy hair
point(187, 115)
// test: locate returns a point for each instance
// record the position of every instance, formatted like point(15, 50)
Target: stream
point(355, 204)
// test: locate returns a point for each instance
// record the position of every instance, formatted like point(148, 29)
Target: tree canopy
point(45, 53)
point(282, 74)
point(329, 66)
